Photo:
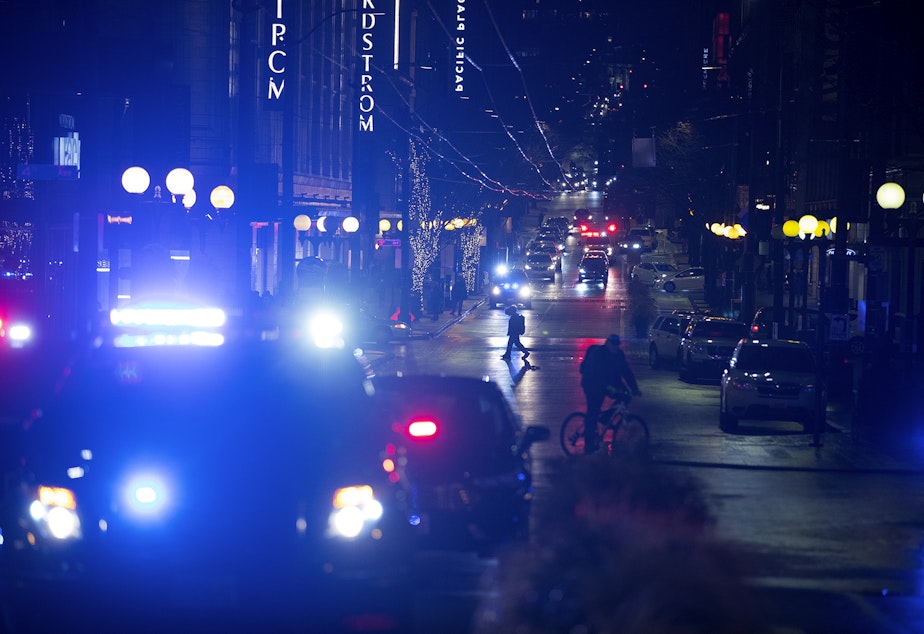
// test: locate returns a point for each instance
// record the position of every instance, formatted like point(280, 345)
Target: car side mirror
point(533, 434)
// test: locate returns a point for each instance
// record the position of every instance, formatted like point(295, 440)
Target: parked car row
point(759, 377)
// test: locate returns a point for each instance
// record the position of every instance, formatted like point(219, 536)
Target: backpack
point(517, 324)
point(591, 363)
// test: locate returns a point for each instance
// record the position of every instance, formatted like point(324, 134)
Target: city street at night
point(304, 305)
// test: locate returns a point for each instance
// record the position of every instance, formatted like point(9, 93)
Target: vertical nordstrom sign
point(276, 60)
point(366, 51)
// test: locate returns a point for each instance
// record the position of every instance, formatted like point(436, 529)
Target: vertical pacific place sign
point(459, 65)
point(276, 60)
point(367, 45)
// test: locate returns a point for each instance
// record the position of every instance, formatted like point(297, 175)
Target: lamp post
point(350, 226)
point(730, 236)
point(891, 198)
point(803, 235)
point(180, 183)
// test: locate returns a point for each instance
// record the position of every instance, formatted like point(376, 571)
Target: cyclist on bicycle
point(605, 372)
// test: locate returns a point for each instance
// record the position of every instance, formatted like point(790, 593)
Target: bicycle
point(618, 431)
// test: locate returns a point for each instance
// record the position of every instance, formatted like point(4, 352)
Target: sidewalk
point(427, 327)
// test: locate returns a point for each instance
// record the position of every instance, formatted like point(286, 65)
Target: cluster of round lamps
point(180, 183)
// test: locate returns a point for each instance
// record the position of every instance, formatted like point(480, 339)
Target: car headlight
point(525, 291)
point(19, 334)
point(146, 495)
point(496, 290)
point(355, 511)
point(326, 330)
point(54, 510)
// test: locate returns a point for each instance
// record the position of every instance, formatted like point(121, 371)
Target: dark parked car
point(461, 457)
point(707, 345)
point(762, 327)
point(511, 287)
point(665, 335)
point(186, 474)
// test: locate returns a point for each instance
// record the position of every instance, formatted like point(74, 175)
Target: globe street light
point(221, 198)
point(891, 197)
point(135, 180)
point(179, 181)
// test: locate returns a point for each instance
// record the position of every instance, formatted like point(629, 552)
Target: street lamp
point(891, 197)
point(221, 198)
point(803, 235)
point(179, 182)
point(727, 270)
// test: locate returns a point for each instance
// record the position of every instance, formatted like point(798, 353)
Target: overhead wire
point(485, 181)
point(493, 101)
point(529, 100)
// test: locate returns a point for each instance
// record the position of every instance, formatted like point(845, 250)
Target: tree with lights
point(426, 224)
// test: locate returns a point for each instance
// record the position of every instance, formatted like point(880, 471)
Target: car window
point(768, 359)
point(717, 330)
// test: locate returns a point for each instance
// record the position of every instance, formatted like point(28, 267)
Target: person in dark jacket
point(516, 326)
point(458, 295)
point(605, 372)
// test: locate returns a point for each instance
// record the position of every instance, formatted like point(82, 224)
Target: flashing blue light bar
point(167, 316)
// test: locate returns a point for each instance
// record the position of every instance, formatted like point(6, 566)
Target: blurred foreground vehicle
point(462, 458)
point(184, 476)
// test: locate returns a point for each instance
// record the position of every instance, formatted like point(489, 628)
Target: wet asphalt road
point(832, 534)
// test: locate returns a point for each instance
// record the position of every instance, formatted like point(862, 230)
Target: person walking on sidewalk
point(458, 295)
point(516, 326)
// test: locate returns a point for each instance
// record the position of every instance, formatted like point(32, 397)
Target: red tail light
point(611, 227)
point(422, 429)
point(583, 228)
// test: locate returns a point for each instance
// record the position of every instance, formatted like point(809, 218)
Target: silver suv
point(664, 337)
point(708, 344)
point(770, 379)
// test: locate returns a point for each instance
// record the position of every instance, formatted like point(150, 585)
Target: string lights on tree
point(426, 224)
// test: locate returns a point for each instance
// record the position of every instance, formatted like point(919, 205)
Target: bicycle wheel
point(572, 434)
point(630, 436)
